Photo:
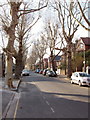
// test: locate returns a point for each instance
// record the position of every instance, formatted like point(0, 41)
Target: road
point(49, 97)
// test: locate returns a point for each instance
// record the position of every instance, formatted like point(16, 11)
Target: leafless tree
point(41, 46)
point(51, 34)
point(23, 37)
point(68, 25)
point(9, 26)
point(83, 9)
point(31, 61)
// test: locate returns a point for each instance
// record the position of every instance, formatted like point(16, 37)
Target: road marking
point(49, 105)
point(47, 102)
point(52, 110)
point(16, 109)
point(43, 97)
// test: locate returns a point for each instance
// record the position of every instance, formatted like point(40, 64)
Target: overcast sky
point(38, 28)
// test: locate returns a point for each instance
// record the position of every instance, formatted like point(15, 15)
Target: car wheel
point(79, 83)
point(72, 82)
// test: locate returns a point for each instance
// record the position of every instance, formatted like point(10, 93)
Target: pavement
point(7, 95)
point(15, 84)
point(64, 76)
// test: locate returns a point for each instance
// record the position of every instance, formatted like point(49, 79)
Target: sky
point(38, 28)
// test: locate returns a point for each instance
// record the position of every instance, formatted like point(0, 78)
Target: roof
point(57, 58)
point(86, 40)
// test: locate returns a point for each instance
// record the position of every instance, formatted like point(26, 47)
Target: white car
point(80, 78)
point(25, 72)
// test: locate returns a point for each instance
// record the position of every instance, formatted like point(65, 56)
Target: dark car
point(44, 71)
point(51, 73)
point(41, 71)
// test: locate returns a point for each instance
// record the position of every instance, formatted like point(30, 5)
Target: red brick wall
point(87, 47)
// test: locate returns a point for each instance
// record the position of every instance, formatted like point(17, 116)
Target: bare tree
point(68, 26)
point(52, 34)
point(41, 46)
point(31, 61)
point(23, 37)
point(10, 28)
point(83, 9)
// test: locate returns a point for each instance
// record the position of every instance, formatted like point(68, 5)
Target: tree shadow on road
point(64, 94)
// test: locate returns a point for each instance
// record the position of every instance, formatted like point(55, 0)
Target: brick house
point(83, 44)
point(56, 62)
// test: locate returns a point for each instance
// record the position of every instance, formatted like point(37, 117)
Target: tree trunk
point(19, 61)
point(52, 62)
point(14, 7)
point(42, 64)
point(69, 60)
point(65, 63)
point(18, 67)
point(53, 65)
point(9, 64)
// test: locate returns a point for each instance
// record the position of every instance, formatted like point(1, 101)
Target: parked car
point(37, 70)
point(44, 71)
point(25, 72)
point(41, 71)
point(80, 78)
point(51, 73)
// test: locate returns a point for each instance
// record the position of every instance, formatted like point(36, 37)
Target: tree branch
point(32, 10)
point(31, 26)
point(83, 14)
point(80, 23)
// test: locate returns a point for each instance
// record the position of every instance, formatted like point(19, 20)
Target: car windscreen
point(84, 75)
point(25, 70)
point(52, 72)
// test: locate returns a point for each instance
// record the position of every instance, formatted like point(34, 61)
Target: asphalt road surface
point(49, 97)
